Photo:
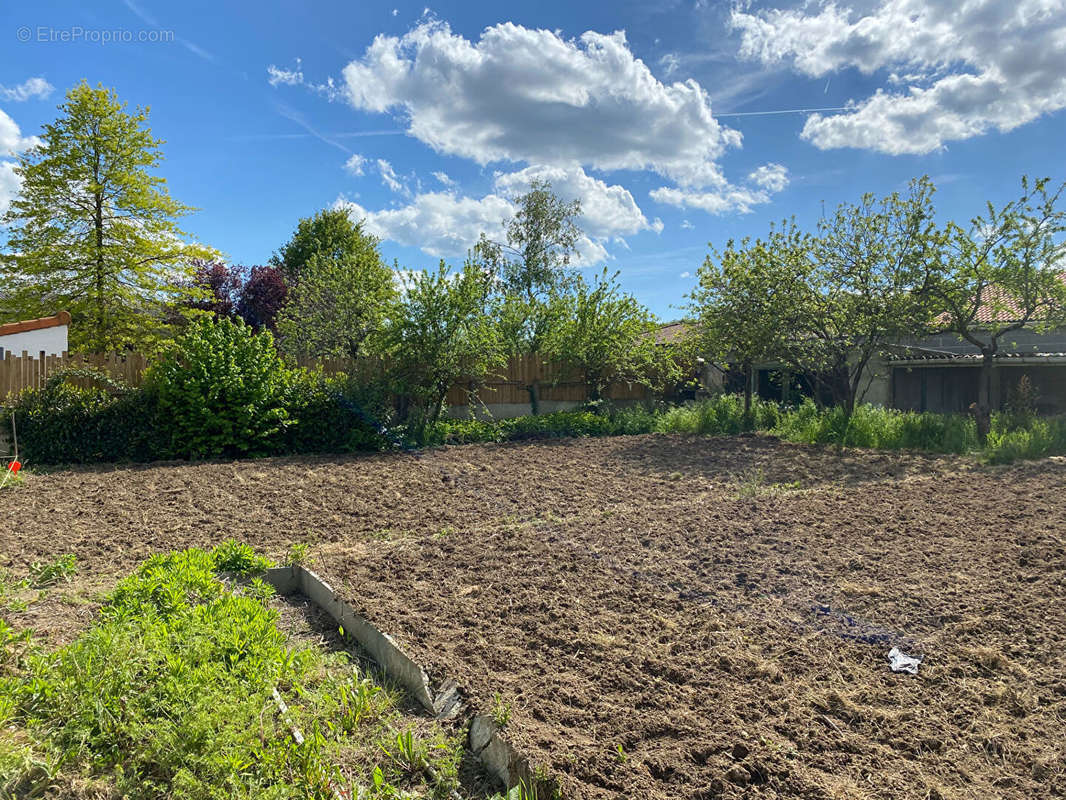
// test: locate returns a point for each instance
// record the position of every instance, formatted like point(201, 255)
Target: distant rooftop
point(62, 318)
point(672, 332)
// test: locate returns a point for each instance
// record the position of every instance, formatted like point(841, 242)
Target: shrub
point(720, 415)
point(634, 420)
point(874, 426)
point(335, 414)
point(62, 423)
point(463, 431)
point(222, 391)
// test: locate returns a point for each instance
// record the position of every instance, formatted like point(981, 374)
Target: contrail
point(782, 111)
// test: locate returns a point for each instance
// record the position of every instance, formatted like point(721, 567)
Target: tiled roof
point(998, 306)
point(926, 355)
point(668, 334)
point(62, 318)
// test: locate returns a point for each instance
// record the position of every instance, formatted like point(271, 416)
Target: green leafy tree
point(442, 334)
point(94, 231)
point(867, 286)
point(746, 300)
point(1003, 273)
point(837, 299)
point(604, 334)
point(330, 235)
point(530, 269)
point(341, 303)
point(221, 390)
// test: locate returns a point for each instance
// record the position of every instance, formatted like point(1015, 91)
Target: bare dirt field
point(665, 617)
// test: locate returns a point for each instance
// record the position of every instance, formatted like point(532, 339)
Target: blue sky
point(426, 121)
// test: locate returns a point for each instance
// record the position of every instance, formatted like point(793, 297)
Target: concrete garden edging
point(497, 755)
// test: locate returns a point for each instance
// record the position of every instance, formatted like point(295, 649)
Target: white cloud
point(968, 67)
point(285, 77)
point(444, 178)
point(531, 96)
point(32, 87)
point(390, 179)
point(9, 185)
point(355, 164)
point(12, 142)
point(276, 76)
point(771, 177)
point(686, 225)
point(727, 198)
point(670, 63)
point(446, 224)
point(395, 12)
point(686, 275)
point(440, 223)
point(606, 211)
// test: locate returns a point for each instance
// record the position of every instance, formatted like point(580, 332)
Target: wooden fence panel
point(508, 385)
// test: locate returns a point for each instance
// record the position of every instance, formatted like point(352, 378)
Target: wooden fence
point(508, 385)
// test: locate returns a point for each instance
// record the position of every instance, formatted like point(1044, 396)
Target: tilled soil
point(664, 616)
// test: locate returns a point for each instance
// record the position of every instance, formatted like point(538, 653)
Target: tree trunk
point(850, 393)
point(749, 379)
point(98, 277)
point(593, 388)
point(982, 410)
point(98, 336)
point(534, 396)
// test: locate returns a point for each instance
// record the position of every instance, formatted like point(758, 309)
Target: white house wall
point(52, 340)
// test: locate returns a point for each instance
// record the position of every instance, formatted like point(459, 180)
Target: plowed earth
point(664, 617)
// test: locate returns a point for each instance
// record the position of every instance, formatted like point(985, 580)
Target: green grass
point(170, 695)
point(869, 426)
point(50, 573)
point(1035, 438)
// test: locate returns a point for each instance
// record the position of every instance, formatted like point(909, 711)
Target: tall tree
point(746, 302)
point(340, 304)
point(530, 270)
point(826, 305)
point(262, 297)
point(604, 334)
point(220, 286)
point(331, 235)
point(868, 286)
point(442, 333)
point(1006, 271)
point(94, 231)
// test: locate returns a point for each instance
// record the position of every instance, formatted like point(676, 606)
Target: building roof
point(999, 306)
point(671, 332)
point(62, 318)
point(918, 357)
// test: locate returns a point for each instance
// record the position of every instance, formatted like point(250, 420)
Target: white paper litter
point(901, 662)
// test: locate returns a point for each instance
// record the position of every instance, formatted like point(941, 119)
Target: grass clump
point(170, 695)
point(1037, 438)
point(44, 574)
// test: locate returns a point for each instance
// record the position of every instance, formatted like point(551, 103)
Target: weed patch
point(172, 694)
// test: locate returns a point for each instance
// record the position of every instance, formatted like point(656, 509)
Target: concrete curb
point(504, 762)
point(485, 740)
point(396, 664)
